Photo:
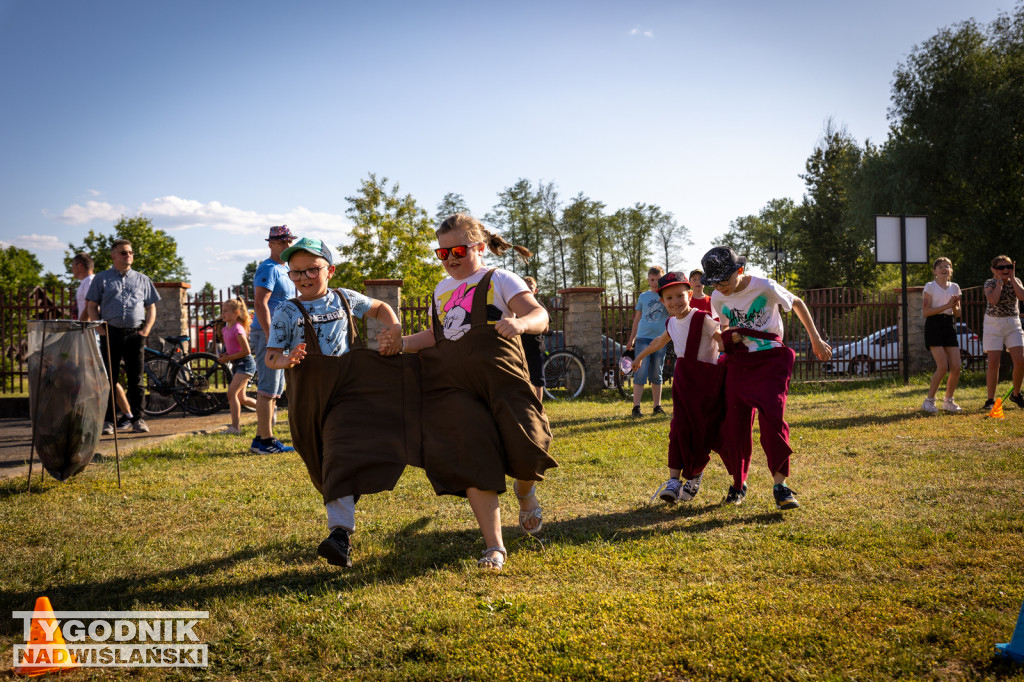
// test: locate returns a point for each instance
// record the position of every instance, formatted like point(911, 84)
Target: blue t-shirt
point(329, 320)
point(652, 316)
point(273, 276)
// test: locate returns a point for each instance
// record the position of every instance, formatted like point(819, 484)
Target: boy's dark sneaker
point(1017, 399)
point(735, 496)
point(691, 488)
point(658, 410)
point(335, 548)
point(669, 491)
point(274, 447)
point(637, 412)
point(989, 404)
point(124, 423)
point(784, 497)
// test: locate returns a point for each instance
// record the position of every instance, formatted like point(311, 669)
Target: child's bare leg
point(484, 504)
point(264, 413)
point(638, 394)
point(656, 394)
point(1017, 355)
point(235, 391)
point(674, 473)
point(992, 373)
point(953, 357)
point(122, 401)
point(779, 478)
point(941, 367)
point(527, 502)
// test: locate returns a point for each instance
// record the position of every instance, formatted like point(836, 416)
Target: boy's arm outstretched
point(822, 350)
point(654, 346)
point(276, 359)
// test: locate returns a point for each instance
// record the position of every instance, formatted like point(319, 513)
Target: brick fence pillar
point(583, 325)
point(920, 357)
point(171, 314)
point(389, 291)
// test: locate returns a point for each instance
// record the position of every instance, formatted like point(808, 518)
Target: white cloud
point(76, 214)
point(176, 214)
point(641, 32)
point(37, 242)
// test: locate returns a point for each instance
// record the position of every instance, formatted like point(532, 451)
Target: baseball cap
point(719, 263)
point(671, 278)
point(313, 246)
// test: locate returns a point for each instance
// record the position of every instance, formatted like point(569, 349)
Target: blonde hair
point(942, 259)
point(530, 282)
point(238, 305)
point(476, 232)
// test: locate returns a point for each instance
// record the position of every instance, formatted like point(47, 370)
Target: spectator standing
point(700, 300)
point(126, 301)
point(272, 288)
point(648, 324)
point(82, 269)
point(1002, 328)
point(531, 348)
point(941, 305)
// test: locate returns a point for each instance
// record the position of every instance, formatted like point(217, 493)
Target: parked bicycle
point(196, 382)
point(565, 370)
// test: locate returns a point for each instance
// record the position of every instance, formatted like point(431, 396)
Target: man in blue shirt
point(649, 324)
point(126, 301)
point(272, 288)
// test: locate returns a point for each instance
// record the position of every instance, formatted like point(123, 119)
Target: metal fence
point(862, 328)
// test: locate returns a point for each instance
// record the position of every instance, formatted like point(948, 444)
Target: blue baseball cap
point(313, 246)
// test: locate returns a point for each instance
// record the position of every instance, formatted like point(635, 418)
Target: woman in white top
point(941, 305)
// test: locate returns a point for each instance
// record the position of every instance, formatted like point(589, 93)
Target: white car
point(881, 350)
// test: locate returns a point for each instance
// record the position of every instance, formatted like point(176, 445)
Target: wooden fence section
point(15, 312)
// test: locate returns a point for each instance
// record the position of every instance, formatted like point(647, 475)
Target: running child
point(648, 324)
point(482, 420)
point(941, 305)
point(337, 400)
point(697, 401)
point(236, 351)
point(758, 368)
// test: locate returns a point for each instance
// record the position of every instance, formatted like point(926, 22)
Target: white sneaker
point(690, 488)
point(233, 430)
point(949, 406)
point(929, 405)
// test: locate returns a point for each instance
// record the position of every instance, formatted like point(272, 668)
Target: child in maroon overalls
point(758, 368)
point(482, 420)
point(697, 405)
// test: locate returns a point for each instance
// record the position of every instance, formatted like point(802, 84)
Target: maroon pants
point(756, 381)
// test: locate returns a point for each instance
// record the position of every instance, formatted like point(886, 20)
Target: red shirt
point(703, 304)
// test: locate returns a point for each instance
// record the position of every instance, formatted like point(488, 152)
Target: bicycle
point(196, 382)
point(624, 382)
point(565, 374)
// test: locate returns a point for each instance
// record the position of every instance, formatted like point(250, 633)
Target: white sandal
point(525, 516)
point(492, 563)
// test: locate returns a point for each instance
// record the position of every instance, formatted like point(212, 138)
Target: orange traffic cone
point(43, 653)
point(997, 409)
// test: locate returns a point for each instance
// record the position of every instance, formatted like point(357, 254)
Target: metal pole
point(906, 312)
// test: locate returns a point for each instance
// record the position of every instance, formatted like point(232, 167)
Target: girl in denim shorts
point(236, 351)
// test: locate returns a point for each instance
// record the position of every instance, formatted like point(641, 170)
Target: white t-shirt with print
point(454, 299)
point(679, 330)
point(756, 307)
point(940, 296)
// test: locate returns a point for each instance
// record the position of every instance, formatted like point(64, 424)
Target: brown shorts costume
point(355, 418)
point(481, 419)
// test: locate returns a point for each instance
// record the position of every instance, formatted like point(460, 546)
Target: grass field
point(906, 559)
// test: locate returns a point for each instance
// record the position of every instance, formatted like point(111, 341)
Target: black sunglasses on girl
point(1003, 267)
point(458, 251)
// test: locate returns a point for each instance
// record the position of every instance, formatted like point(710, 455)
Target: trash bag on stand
point(68, 395)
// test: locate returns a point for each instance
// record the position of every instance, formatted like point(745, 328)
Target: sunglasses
point(126, 253)
point(1003, 267)
point(310, 273)
point(459, 251)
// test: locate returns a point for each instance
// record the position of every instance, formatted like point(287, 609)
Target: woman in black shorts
point(531, 346)
point(941, 306)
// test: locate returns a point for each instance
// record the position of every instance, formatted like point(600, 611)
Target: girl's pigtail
point(498, 246)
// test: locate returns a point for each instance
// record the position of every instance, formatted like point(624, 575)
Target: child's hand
point(822, 350)
point(296, 356)
point(389, 341)
point(510, 327)
point(223, 357)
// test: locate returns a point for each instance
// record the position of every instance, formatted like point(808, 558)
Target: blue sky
point(219, 119)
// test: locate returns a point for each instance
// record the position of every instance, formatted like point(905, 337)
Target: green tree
point(759, 237)
point(156, 252)
point(583, 223)
point(634, 228)
point(391, 239)
point(246, 287)
point(451, 204)
point(956, 152)
point(517, 217)
point(670, 237)
point(552, 231)
point(19, 270)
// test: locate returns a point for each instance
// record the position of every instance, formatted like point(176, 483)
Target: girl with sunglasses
point(482, 420)
point(941, 303)
point(1002, 327)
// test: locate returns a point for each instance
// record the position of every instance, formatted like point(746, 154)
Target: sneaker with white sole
point(124, 423)
point(273, 448)
point(690, 488)
point(108, 428)
point(950, 406)
point(785, 498)
point(929, 405)
point(233, 430)
point(140, 426)
point(735, 496)
point(669, 490)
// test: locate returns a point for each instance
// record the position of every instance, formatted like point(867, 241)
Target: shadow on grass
point(410, 552)
point(858, 420)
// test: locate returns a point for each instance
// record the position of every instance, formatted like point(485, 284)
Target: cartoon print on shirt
point(755, 317)
point(456, 311)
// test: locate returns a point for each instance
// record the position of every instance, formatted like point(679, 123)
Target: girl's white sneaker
point(949, 406)
point(233, 430)
point(929, 405)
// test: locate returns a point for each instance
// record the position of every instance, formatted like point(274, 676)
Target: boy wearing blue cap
point(330, 416)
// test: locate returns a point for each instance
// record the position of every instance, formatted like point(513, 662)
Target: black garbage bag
point(68, 396)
